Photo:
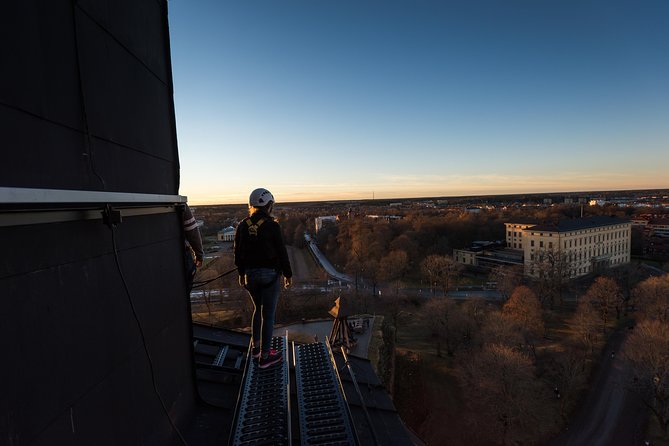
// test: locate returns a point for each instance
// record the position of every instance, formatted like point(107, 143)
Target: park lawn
point(427, 393)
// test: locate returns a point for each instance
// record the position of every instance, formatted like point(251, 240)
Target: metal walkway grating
point(324, 417)
point(263, 415)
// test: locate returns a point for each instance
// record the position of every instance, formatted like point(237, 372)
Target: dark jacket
point(192, 233)
point(259, 244)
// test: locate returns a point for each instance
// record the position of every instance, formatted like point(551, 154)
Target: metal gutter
point(21, 195)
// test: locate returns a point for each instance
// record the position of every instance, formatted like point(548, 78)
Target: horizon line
point(600, 191)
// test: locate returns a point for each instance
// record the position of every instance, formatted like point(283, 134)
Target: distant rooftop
point(576, 224)
point(523, 221)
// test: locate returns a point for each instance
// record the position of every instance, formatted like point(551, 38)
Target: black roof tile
point(577, 224)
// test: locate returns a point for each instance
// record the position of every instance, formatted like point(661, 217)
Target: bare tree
point(505, 396)
point(524, 309)
point(446, 322)
point(206, 275)
point(404, 243)
point(626, 276)
point(647, 350)
point(507, 279)
point(393, 267)
point(570, 371)
point(429, 269)
point(604, 294)
point(474, 311)
point(370, 270)
point(552, 271)
point(441, 270)
point(394, 309)
point(298, 236)
point(498, 329)
point(585, 326)
point(653, 297)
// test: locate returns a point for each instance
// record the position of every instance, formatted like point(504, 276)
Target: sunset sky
point(321, 100)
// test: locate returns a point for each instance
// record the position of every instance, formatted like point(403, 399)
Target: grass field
point(427, 394)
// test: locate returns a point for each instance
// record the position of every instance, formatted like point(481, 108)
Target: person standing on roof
point(261, 259)
point(194, 252)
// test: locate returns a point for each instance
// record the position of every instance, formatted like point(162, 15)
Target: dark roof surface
point(577, 224)
point(386, 422)
point(219, 388)
point(523, 221)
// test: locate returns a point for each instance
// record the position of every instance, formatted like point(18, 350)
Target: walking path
point(611, 415)
point(298, 263)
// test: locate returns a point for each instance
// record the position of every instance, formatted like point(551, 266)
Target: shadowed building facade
point(576, 247)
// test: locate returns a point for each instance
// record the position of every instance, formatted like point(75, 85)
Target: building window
point(541, 244)
point(531, 242)
point(550, 245)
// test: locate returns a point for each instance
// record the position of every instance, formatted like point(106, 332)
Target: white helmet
point(261, 197)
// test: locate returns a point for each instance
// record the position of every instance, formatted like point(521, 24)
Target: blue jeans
point(263, 287)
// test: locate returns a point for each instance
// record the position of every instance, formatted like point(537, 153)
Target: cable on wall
point(88, 146)
point(112, 217)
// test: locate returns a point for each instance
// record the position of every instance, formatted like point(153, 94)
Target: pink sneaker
point(272, 358)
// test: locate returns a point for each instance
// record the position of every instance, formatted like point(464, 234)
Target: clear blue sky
point(342, 99)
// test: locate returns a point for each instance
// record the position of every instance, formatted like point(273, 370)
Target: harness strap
point(253, 227)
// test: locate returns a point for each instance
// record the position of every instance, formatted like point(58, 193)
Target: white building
point(384, 217)
point(320, 221)
point(466, 256)
point(581, 246)
point(653, 226)
point(226, 235)
point(514, 232)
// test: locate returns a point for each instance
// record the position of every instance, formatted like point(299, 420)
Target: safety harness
point(253, 227)
point(253, 232)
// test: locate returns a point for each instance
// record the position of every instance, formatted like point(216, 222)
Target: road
point(301, 272)
point(611, 415)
